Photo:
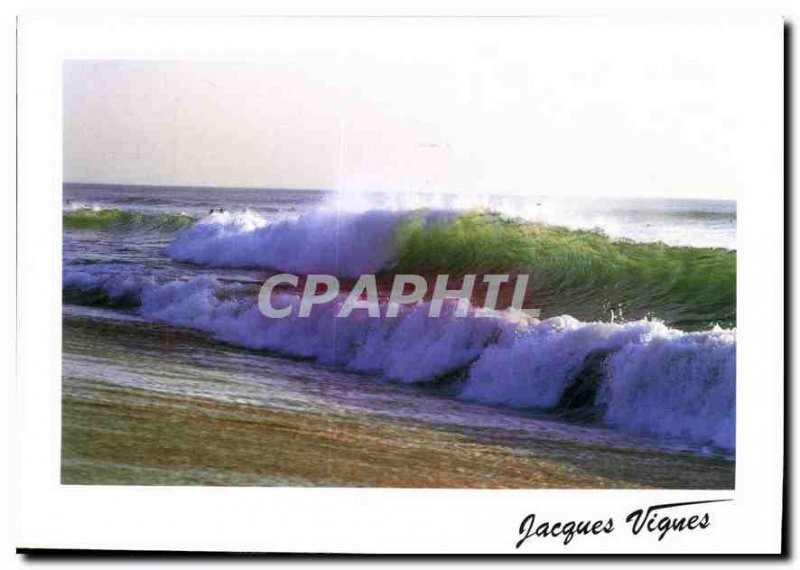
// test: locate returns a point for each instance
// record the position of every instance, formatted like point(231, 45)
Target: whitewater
point(638, 328)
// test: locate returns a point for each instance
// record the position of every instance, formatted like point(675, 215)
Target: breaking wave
point(82, 217)
point(583, 273)
point(642, 376)
point(106, 284)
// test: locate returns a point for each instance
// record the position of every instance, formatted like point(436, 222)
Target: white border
point(357, 520)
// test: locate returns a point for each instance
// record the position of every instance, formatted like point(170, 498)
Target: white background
point(45, 514)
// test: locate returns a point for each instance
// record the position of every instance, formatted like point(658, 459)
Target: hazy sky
point(583, 111)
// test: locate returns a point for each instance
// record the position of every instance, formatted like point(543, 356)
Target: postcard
point(387, 285)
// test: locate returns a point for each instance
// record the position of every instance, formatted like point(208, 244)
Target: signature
point(650, 520)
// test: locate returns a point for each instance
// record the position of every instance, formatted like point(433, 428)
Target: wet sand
point(137, 437)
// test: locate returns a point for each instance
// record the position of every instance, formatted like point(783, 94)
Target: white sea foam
point(117, 280)
point(75, 206)
point(682, 386)
point(318, 241)
point(352, 234)
point(410, 348)
point(655, 380)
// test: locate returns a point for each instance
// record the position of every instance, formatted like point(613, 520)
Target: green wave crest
point(582, 273)
point(117, 219)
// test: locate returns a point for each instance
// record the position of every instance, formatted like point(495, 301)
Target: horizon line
point(331, 190)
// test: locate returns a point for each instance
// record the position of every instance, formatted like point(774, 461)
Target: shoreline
point(154, 439)
point(148, 434)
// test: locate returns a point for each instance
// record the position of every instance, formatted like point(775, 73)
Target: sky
point(577, 110)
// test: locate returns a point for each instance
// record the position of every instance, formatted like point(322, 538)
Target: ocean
point(171, 376)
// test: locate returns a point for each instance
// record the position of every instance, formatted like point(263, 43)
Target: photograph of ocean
point(172, 376)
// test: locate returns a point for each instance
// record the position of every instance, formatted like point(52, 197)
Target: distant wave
point(104, 284)
point(583, 273)
point(81, 217)
point(642, 377)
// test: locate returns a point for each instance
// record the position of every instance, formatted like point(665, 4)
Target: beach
point(114, 435)
point(171, 376)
